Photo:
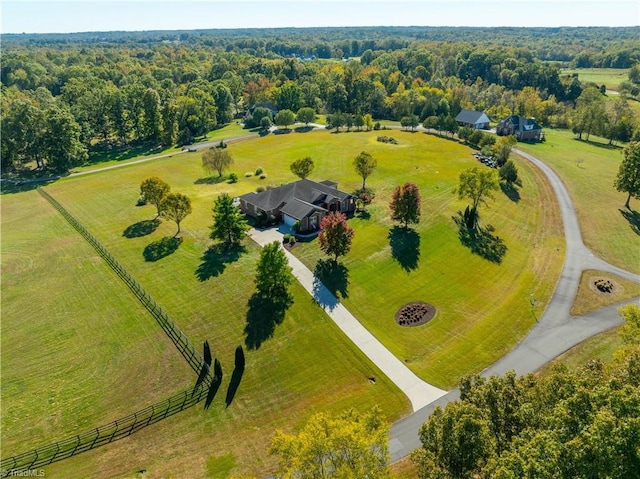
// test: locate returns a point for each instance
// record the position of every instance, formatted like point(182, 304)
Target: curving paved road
point(555, 332)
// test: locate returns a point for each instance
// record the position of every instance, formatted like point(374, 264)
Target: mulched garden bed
point(416, 313)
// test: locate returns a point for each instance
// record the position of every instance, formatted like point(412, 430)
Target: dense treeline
point(119, 89)
point(566, 424)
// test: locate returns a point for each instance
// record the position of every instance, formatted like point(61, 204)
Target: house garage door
point(288, 220)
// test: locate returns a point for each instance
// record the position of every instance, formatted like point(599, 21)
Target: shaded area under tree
point(161, 248)
point(216, 259)
point(141, 228)
point(334, 277)
point(264, 314)
point(481, 241)
point(633, 217)
point(405, 247)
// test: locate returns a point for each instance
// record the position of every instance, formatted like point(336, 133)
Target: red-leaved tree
point(405, 204)
point(335, 238)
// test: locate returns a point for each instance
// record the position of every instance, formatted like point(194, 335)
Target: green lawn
point(483, 307)
point(607, 227)
point(307, 365)
point(610, 77)
point(78, 349)
point(601, 346)
point(133, 154)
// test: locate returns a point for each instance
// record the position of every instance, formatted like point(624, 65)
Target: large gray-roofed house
point(303, 201)
point(474, 119)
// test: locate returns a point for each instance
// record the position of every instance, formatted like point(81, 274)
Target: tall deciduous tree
point(216, 159)
point(336, 235)
point(273, 273)
point(509, 172)
point(628, 178)
point(477, 185)
point(153, 190)
point(302, 167)
point(353, 445)
point(285, 118)
point(364, 165)
point(405, 204)
point(175, 207)
point(229, 224)
point(306, 115)
point(502, 148)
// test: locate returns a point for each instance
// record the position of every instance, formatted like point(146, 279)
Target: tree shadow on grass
point(210, 180)
point(633, 217)
point(405, 247)
point(161, 248)
point(215, 260)
point(213, 390)
point(262, 317)
point(303, 129)
point(331, 277)
point(481, 241)
point(141, 228)
point(510, 191)
point(234, 384)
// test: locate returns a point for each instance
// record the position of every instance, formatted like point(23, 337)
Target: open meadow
point(78, 349)
point(610, 77)
point(588, 169)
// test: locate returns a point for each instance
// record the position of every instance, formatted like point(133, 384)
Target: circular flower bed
point(415, 314)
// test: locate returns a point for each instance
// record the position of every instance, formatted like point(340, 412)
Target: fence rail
point(184, 345)
point(123, 427)
point(17, 465)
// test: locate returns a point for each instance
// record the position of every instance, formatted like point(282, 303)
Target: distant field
point(78, 349)
point(589, 169)
point(610, 77)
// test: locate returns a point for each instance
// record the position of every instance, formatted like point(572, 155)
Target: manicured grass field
point(482, 307)
point(307, 365)
point(608, 228)
point(78, 349)
point(610, 77)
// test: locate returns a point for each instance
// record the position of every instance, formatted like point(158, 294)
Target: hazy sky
point(99, 15)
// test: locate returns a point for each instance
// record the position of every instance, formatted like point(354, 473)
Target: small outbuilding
point(473, 119)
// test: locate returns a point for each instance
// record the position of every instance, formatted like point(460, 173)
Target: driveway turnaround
point(419, 392)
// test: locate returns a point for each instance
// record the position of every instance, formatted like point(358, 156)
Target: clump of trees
point(565, 424)
point(352, 445)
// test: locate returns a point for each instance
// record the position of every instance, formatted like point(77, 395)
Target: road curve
point(555, 332)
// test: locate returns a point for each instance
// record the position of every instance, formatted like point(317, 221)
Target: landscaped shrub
point(248, 174)
point(387, 139)
point(141, 201)
point(296, 226)
point(263, 176)
point(222, 144)
point(292, 239)
point(259, 170)
point(233, 178)
point(260, 189)
point(376, 126)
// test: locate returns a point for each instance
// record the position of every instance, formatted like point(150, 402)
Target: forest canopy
point(108, 90)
